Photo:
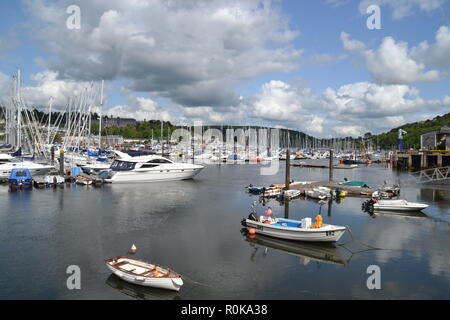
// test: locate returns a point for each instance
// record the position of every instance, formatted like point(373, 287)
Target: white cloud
point(190, 51)
point(46, 84)
point(403, 8)
point(140, 108)
point(438, 53)
point(351, 45)
point(280, 102)
point(392, 62)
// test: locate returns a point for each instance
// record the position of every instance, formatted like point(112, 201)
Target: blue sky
point(238, 61)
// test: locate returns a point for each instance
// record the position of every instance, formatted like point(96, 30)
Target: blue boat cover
point(20, 174)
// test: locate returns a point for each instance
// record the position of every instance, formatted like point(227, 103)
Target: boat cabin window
point(149, 165)
point(122, 165)
point(158, 161)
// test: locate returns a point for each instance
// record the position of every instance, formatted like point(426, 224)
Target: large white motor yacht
point(8, 162)
point(149, 168)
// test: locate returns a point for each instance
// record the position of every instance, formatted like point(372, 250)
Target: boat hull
point(397, 208)
point(5, 172)
point(325, 234)
point(154, 175)
point(162, 283)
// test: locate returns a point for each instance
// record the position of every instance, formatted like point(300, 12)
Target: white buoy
point(133, 248)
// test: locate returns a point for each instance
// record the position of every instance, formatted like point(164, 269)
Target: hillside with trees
point(388, 140)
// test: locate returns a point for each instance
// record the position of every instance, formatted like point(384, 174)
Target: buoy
point(155, 273)
point(133, 248)
point(252, 231)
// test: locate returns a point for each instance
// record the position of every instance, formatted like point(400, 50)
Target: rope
point(362, 243)
point(195, 282)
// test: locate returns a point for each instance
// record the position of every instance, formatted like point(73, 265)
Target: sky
point(313, 66)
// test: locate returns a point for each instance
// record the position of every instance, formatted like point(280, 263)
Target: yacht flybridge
point(149, 168)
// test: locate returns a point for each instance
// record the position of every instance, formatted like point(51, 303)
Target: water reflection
point(306, 251)
point(140, 292)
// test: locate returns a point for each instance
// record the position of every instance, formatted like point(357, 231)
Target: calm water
point(194, 227)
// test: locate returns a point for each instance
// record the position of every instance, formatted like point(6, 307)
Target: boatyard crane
point(401, 132)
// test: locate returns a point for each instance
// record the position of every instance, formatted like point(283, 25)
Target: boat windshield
point(122, 165)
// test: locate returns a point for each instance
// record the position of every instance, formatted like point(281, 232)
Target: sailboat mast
point(49, 119)
point(100, 122)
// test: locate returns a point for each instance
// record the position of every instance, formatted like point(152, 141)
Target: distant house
point(116, 122)
point(436, 140)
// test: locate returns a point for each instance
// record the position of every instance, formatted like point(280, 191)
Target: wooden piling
point(61, 163)
point(288, 169)
point(331, 166)
point(52, 151)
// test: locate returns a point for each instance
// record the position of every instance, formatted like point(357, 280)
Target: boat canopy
point(360, 184)
point(20, 174)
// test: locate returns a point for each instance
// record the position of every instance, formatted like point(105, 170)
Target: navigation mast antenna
point(100, 122)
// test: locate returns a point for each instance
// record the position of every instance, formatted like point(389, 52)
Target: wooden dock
point(322, 166)
point(333, 185)
point(419, 160)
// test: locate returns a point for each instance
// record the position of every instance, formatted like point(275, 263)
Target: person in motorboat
point(318, 222)
point(267, 218)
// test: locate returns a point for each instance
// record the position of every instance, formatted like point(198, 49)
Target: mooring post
point(331, 166)
point(61, 163)
point(286, 209)
point(288, 166)
point(52, 153)
point(288, 169)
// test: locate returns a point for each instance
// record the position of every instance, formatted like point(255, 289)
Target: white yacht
point(8, 162)
point(149, 168)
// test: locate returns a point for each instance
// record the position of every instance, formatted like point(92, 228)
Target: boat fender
point(252, 231)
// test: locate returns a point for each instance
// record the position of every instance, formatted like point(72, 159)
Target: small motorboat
point(379, 195)
point(295, 230)
point(20, 179)
point(271, 193)
point(398, 205)
point(144, 273)
point(53, 181)
point(316, 194)
point(392, 191)
point(83, 180)
point(255, 190)
point(290, 194)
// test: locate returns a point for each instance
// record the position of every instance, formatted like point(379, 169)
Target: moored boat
point(83, 180)
point(398, 205)
point(54, 181)
point(144, 273)
point(290, 194)
point(289, 229)
point(149, 169)
point(20, 179)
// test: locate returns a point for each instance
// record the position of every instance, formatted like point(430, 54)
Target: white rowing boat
point(398, 205)
point(85, 181)
point(144, 273)
point(294, 230)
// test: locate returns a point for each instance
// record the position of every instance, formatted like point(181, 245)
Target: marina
point(69, 225)
point(237, 151)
